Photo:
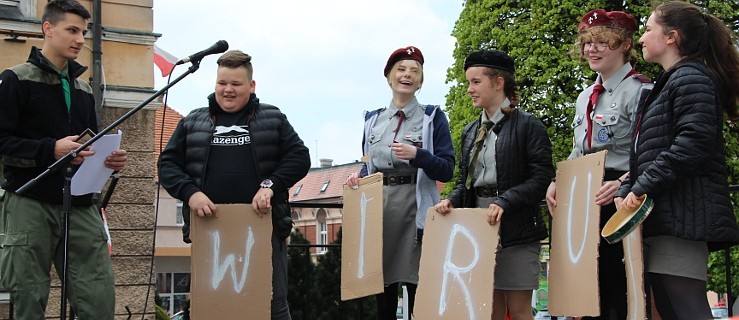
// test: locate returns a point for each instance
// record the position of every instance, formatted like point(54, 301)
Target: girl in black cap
point(505, 166)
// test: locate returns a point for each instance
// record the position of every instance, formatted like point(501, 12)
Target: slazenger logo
point(220, 130)
point(231, 135)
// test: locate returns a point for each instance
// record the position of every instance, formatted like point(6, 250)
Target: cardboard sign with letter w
point(231, 264)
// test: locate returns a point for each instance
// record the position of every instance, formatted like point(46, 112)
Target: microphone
point(219, 47)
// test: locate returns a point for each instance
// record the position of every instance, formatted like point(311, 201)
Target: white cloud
point(319, 61)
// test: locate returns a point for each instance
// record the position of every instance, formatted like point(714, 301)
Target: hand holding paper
point(93, 173)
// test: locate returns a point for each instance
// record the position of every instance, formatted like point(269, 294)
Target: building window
point(10, 3)
point(174, 289)
point(297, 190)
point(178, 217)
point(322, 229)
point(27, 8)
point(325, 186)
point(296, 215)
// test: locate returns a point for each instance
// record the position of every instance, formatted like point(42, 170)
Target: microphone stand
point(67, 190)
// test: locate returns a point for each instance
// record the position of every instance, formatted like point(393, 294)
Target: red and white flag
point(164, 60)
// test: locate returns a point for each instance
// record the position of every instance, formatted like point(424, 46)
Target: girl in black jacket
point(678, 155)
point(505, 165)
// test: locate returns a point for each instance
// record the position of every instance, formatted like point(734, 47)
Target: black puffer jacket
point(524, 169)
point(679, 159)
point(279, 155)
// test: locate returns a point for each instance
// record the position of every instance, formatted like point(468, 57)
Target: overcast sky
point(319, 61)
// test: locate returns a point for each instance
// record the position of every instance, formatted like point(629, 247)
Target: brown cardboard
point(361, 244)
point(231, 264)
point(634, 263)
point(573, 268)
point(457, 264)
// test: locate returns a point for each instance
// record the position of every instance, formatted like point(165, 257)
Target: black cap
point(490, 58)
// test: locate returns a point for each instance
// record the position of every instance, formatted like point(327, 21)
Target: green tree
point(539, 34)
point(299, 266)
point(160, 313)
point(327, 302)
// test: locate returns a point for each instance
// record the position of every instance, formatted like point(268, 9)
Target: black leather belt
point(395, 180)
point(486, 192)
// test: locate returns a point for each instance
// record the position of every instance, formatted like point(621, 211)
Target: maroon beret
point(603, 18)
point(407, 53)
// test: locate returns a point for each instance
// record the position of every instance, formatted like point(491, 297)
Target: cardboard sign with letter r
point(457, 262)
point(361, 243)
point(231, 264)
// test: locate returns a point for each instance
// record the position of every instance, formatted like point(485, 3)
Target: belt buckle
point(488, 192)
point(493, 192)
point(392, 180)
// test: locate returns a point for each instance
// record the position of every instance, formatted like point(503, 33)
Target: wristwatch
point(266, 183)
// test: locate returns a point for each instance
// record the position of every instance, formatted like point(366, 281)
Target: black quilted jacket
point(524, 170)
point(279, 155)
point(679, 159)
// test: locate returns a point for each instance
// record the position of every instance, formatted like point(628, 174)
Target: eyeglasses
point(599, 46)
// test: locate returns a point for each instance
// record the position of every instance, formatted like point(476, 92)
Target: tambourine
point(626, 220)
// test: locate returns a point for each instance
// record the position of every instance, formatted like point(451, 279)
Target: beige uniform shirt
point(383, 133)
point(613, 116)
point(485, 170)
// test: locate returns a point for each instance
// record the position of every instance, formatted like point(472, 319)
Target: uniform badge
point(578, 121)
point(602, 135)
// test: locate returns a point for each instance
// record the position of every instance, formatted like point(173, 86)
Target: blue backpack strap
point(369, 114)
point(430, 109)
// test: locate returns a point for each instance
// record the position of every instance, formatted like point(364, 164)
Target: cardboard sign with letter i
point(361, 243)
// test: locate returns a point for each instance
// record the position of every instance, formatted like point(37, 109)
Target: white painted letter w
point(219, 270)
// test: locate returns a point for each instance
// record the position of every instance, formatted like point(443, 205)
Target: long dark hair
point(705, 38)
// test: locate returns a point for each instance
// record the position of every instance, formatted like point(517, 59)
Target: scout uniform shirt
point(485, 169)
point(382, 136)
point(613, 115)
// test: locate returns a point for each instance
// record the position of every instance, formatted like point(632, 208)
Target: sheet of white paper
point(92, 174)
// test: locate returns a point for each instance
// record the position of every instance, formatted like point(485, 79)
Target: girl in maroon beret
point(604, 113)
point(410, 143)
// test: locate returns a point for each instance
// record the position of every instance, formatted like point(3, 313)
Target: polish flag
point(164, 60)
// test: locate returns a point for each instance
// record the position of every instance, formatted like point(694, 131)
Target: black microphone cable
point(158, 193)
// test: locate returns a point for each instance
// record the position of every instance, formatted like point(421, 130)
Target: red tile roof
point(310, 186)
point(171, 118)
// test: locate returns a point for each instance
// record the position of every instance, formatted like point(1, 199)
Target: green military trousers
point(33, 240)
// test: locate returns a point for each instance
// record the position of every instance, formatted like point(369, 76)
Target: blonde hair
point(615, 37)
point(394, 69)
